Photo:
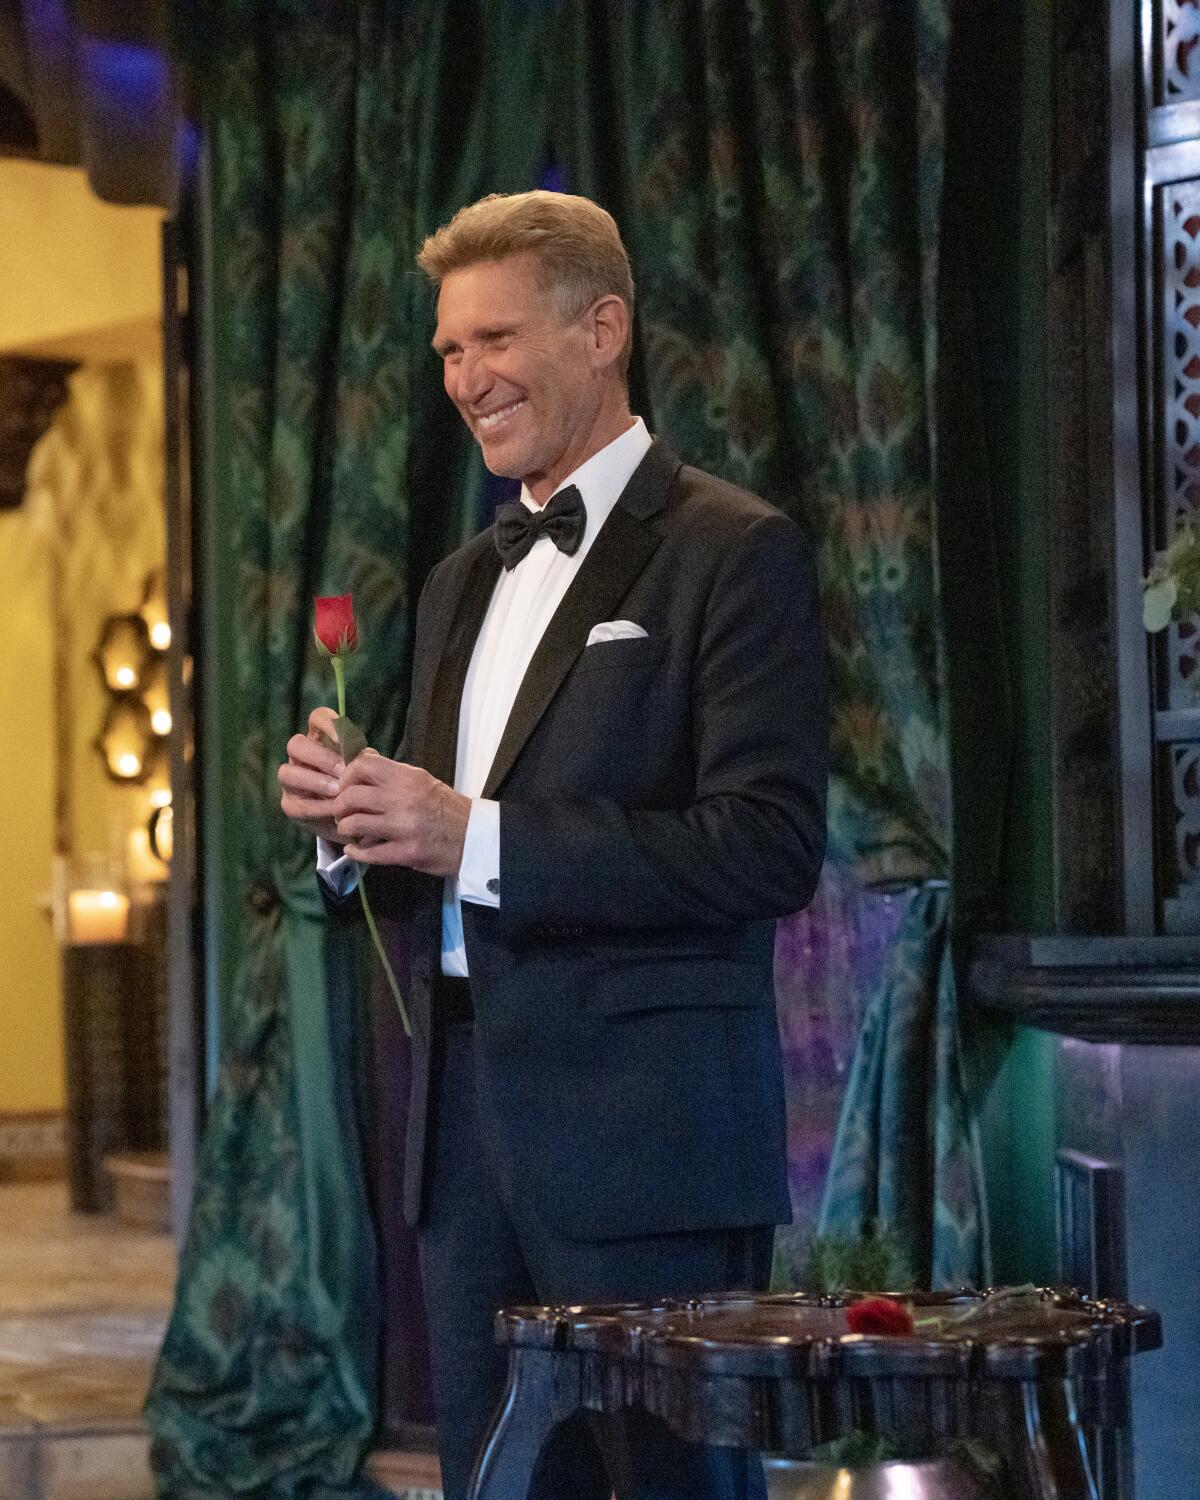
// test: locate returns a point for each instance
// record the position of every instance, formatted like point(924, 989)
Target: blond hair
point(576, 245)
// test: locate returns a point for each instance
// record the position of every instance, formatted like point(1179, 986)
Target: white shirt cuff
point(337, 870)
point(479, 873)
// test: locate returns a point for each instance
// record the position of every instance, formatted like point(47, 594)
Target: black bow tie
point(563, 520)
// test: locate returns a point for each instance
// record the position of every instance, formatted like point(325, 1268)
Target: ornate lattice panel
point(1181, 234)
point(1180, 348)
point(1179, 59)
point(1178, 502)
point(1185, 786)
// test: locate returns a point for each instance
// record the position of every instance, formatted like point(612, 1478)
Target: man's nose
point(474, 377)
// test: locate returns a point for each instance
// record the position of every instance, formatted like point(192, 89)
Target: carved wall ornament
point(31, 391)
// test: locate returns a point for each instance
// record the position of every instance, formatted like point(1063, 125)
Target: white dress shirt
point(522, 605)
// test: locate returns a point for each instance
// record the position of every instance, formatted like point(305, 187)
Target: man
point(612, 782)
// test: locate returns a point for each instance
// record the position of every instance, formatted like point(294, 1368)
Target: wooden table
point(1028, 1373)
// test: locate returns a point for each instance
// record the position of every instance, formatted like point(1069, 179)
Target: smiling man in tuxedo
point(612, 782)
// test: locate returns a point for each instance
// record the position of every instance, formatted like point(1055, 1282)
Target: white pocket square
point(615, 630)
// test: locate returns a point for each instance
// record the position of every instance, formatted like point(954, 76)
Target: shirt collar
point(601, 478)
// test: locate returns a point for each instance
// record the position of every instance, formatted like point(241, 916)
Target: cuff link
point(493, 887)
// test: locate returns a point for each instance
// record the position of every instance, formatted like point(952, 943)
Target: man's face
point(525, 382)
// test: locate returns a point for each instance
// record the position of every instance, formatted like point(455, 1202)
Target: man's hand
point(389, 813)
point(309, 778)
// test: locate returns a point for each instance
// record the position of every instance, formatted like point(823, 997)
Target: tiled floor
point(83, 1302)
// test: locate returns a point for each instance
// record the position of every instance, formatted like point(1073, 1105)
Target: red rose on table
point(333, 624)
point(879, 1315)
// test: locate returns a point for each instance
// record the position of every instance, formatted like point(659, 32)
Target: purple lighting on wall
point(47, 26)
point(828, 960)
point(127, 80)
point(108, 104)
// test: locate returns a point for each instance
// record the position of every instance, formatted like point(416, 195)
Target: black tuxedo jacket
point(662, 802)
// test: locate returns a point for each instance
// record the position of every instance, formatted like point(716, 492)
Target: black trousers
point(482, 1247)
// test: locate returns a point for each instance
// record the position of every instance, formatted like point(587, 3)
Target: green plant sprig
point(1171, 589)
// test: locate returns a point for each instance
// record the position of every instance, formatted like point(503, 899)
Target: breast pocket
point(631, 655)
point(621, 726)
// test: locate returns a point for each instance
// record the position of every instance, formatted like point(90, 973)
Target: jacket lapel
point(615, 559)
point(440, 749)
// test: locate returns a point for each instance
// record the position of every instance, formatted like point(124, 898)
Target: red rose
point(337, 636)
point(879, 1315)
point(333, 624)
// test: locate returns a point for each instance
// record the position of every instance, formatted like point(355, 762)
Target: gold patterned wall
point(96, 487)
point(78, 550)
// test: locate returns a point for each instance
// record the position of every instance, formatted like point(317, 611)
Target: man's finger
point(322, 719)
point(304, 809)
point(360, 797)
point(309, 752)
point(362, 826)
point(370, 769)
point(309, 783)
point(388, 852)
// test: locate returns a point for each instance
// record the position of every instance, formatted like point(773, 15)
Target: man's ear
point(608, 323)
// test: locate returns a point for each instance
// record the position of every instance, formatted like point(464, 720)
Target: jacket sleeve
point(751, 843)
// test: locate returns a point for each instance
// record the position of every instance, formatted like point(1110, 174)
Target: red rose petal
point(333, 623)
point(879, 1315)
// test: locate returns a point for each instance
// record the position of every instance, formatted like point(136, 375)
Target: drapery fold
point(776, 167)
point(907, 1139)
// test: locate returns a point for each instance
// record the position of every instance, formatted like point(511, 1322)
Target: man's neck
point(613, 423)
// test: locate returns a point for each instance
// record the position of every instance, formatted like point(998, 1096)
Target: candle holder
point(113, 1032)
point(92, 904)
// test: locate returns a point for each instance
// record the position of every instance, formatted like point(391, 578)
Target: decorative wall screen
point(1178, 62)
point(1171, 246)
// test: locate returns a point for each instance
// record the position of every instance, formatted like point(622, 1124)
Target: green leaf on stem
point(1158, 602)
point(351, 740)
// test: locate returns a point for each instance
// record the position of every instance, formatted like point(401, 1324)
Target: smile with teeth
point(494, 419)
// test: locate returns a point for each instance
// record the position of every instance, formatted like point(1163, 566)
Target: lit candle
point(98, 916)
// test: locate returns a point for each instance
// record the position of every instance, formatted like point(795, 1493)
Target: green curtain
point(777, 168)
point(908, 1152)
point(266, 1384)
